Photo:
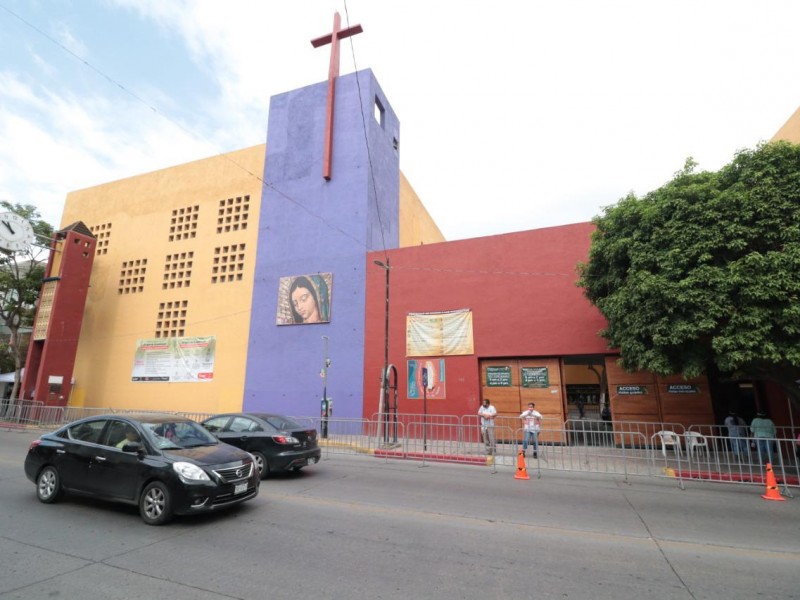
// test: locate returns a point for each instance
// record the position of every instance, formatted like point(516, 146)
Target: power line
point(191, 133)
point(366, 139)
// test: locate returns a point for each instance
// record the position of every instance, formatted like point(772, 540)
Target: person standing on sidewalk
point(533, 423)
point(487, 413)
point(737, 433)
point(763, 430)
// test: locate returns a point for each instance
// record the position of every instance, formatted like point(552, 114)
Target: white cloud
point(514, 115)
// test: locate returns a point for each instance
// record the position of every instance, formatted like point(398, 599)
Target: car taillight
point(285, 439)
point(33, 445)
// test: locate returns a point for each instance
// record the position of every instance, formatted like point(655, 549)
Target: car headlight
point(189, 472)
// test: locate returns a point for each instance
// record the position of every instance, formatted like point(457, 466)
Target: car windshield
point(178, 434)
point(282, 423)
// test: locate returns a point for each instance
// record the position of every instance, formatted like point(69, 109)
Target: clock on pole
point(16, 232)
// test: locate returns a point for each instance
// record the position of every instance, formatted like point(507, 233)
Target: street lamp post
point(384, 401)
point(326, 407)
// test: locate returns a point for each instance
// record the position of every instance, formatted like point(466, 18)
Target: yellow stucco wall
point(132, 219)
point(416, 225)
point(790, 130)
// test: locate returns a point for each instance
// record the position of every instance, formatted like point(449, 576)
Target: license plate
point(240, 488)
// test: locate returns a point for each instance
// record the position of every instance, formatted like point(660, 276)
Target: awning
point(9, 377)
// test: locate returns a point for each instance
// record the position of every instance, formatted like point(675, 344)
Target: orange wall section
point(416, 225)
point(790, 131)
point(132, 219)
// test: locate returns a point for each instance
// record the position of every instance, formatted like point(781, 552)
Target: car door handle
point(100, 458)
point(243, 438)
point(60, 451)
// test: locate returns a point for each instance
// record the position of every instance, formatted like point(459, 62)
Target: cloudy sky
point(514, 114)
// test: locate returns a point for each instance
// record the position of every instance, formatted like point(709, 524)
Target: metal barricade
point(629, 448)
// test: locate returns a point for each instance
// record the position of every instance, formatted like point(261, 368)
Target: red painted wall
point(522, 293)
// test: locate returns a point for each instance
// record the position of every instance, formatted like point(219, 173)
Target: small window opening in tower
point(380, 112)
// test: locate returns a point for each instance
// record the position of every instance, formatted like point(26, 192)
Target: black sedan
point(278, 443)
point(165, 464)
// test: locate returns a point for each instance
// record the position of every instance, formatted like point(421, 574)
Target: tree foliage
point(21, 276)
point(706, 270)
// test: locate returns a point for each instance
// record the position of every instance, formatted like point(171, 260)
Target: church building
point(273, 277)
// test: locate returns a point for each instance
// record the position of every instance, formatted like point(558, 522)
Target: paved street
point(361, 527)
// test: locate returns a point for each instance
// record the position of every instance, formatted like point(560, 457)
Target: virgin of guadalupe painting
point(304, 299)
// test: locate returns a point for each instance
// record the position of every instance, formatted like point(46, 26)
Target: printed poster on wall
point(439, 334)
point(436, 380)
point(304, 299)
point(174, 360)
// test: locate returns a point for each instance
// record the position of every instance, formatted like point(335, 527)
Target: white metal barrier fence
point(699, 452)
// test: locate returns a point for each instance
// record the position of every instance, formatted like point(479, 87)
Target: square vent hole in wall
point(183, 223)
point(232, 214)
point(171, 321)
point(103, 234)
point(131, 276)
point(228, 263)
point(177, 270)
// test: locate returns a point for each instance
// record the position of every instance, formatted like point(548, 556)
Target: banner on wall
point(174, 360)
point(304, 299)
point(439, 334)
point(436, 380)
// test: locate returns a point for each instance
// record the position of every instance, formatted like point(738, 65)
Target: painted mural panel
point(304, 299)
point(435, 387)
point(174, 360)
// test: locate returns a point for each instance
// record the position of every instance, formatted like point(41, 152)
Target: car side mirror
point(133, 447)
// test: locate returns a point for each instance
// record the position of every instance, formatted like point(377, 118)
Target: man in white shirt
point(487, 413)
point(533, 423)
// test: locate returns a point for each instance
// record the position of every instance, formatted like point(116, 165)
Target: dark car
point(278, 443)
point(167, 465)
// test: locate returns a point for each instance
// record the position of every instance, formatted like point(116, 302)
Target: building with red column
point(59, 316)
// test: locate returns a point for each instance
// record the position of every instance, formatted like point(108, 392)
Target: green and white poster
point(174, 360)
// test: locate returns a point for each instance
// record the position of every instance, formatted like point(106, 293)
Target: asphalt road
point(360, 527)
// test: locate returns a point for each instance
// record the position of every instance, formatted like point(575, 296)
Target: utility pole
point(384, 400)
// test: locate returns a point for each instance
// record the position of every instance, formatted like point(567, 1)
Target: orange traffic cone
point(522, 471)
point(772, 486)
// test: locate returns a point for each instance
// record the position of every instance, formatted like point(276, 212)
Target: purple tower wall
point(310, 226)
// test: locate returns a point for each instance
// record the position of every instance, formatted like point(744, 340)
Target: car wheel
point(155, 505)
point(48, 485)
point(261, 464)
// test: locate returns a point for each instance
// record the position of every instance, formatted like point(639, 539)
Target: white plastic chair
point(671, 439)
point(695, 442)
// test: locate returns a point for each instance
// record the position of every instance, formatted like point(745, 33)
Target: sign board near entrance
point(682, 388)
point(498, 376)
point(535, 377)
point(632, 390)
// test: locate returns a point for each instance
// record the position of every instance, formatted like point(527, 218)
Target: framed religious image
point(432, 385)
point(304, 299)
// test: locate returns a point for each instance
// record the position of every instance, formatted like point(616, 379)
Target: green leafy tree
point(705, 271)
point(21, 276)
